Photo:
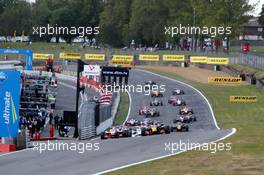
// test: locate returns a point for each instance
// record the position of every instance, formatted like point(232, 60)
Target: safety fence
point(93, 118)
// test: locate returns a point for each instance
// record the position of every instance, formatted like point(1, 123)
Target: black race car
point(156, 102)
point(185, 110)
point(179, 126)
point(185, 119)
point(177, 92)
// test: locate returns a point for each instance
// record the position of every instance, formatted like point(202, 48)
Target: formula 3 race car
point(185, 110)
point(156, 94)
point(158, 128)
point(177, 92)
point(116, 132)
point(179, 127)
point(185, 119)
point(176, 102)
point(132, 122)
point(156, 102)
point(149, 84)
point(143, 110)
point(153, 112)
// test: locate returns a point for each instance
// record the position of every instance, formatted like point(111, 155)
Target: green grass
point(249, 70)
point(247, 154)
point(122, 109)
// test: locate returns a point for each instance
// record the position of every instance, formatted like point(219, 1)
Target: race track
point(116, 153)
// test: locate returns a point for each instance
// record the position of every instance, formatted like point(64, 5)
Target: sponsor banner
point(121, 63)
point(91, 70)
point(173, 57)
point(125, 58)
point(149, 57)
point(225, 80)
point(198, 59)
point(218, 61)
point(68, 55)
point(246, 99)
point(95, 57)
point(41, 56)
point(9, 103)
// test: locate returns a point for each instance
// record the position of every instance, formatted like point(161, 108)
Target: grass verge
point(247, 154)
point(122, 109)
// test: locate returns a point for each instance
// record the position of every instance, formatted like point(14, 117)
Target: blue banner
point(9, 103)
point(28, 53)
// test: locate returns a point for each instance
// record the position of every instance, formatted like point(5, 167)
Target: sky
point(258, 7)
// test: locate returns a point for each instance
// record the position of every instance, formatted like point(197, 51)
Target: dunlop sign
point(225, 80)
point(127, 58)
point(95, 57)
point(149, 57)
point(197, 59)
point(68, 55)
point(173, 58)
point(41, 56)
point(246, 99)
point(218, 61)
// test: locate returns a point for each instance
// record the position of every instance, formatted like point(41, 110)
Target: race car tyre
point(161, 104)
point(150, 104)
point(175, 120)
point(167, 129)
point(143, 131)
point(194, 119)
point(103, 137)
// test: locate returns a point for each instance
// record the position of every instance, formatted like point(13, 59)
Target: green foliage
point(121, 21)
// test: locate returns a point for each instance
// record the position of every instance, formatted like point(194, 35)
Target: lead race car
point(117, 132)
point(156, 102)
point(149, 85)
point(176, 101)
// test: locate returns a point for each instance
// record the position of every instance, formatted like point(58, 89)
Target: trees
point(121, 21)
point(261, 18)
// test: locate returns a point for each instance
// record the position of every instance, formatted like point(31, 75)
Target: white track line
point(210, 107)
point(161, 157)
point(129, 108)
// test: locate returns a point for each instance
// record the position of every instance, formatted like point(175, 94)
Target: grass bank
point(122, 109)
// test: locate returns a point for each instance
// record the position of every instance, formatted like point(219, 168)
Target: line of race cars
point(135, 128)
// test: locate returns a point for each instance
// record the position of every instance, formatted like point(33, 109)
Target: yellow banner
point(173, 57)
point(42, 56)
point(225, 80)
point(198, 59)
point(149, 57)
point(223, 61)
point(247, 99)
point(68, 55)
point(128, 58)
point(121, 63)
point(95, 57)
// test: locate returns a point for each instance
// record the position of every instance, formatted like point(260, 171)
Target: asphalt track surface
point(116, 153)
